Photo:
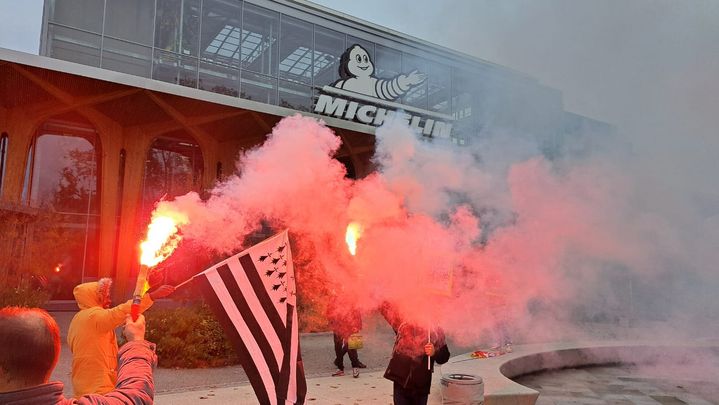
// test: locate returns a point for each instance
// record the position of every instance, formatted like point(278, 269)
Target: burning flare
point(354, 231)
point(162, 239)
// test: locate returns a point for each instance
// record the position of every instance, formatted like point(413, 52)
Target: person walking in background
point(345, 320)
point(92, 339)
point(30, 342)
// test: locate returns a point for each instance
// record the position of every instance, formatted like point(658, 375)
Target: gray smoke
point(650, 68)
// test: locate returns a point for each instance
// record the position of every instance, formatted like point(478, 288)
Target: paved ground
point(622, 385)
point(601, 385)
point(317, 354)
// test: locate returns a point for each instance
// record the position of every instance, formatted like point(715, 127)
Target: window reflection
point(219, 78)
point(259, 39)
point(258, 88)
point(295, 96)
point(416, 96)
point(74, 45)
point(173, 167)
point(295, 50)
point(130, 20)
point(177, 26)
point(65, 12)
point(62, 185)
point(173, 68)
point(438, 87)
point(461, 94)
point(221, 32)
point(388, 62)
point(126, 57)
point(329, 46)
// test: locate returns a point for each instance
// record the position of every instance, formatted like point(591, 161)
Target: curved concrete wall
point(497, 372)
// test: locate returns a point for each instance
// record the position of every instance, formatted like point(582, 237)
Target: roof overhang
point(56, 65)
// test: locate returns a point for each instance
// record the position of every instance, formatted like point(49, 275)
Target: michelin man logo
point(356, 72)
point(359, 96)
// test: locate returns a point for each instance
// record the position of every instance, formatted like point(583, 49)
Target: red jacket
point(134, 383)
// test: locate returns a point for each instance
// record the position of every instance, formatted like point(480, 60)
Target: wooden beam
point(177, 116)
point(157, 128)
point(265, 127)
point(53, 90)
point(84, 102)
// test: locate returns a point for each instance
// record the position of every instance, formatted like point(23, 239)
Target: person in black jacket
point(408, 368)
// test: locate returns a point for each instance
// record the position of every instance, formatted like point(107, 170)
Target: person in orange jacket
point(92, 339)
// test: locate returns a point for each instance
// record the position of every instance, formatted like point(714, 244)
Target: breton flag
point(253, 296)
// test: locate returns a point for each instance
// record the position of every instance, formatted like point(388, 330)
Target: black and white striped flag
point(253, 296)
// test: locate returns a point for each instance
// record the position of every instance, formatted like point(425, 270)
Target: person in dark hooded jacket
point(30, 341)
point(408, 367)
point(92, 339)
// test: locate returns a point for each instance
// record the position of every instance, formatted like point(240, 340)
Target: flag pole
point(429, 340)
point(184, 282)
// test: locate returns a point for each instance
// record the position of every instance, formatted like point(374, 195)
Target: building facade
point(132, 101)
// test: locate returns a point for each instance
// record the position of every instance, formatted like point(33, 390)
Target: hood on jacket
point(92, 294)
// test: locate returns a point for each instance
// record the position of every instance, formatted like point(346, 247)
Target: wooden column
point(21, 130)
point(136, 145)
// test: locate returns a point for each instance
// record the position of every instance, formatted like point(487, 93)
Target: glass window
point(219, 79)
point(82, 14)
point(173, 68)
point(221, 32)
point(130, 20)
point(296, 50)
point(387, 63)
point(63, 185)
point(259, 50)
point(461, 94)
point(417, 95)
point(177, 26)
point(329, 46)
point(258, 88)
point(438, 87)
point(173, 167)
point(295, 96)
point(73, 45)
point(4, 138)
point(126, 57)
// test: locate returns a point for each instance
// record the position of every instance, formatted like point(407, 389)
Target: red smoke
point(427, 245)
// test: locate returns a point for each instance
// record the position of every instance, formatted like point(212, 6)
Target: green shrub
point(189, 337)
point(22, 296)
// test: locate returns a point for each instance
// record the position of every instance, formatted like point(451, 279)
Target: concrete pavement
point(317, 355)
point(368, 388)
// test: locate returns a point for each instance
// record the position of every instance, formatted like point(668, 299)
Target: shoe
point(361, 365)
point(338, 373)
point(355, 372)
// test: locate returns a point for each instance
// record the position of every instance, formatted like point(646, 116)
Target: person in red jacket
point(30, 342)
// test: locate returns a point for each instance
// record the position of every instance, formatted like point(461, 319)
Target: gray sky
point(648, 66)
point(651, 67)
point(20, 22)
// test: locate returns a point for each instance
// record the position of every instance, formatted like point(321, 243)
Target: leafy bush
point(22, 296)
point(189, 337)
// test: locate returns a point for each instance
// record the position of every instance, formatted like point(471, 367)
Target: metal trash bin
point(464, 389)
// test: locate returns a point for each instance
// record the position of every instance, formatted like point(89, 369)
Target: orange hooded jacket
point(92, 339)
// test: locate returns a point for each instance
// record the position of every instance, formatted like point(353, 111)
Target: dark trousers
point(404, 397)
point(340, 350)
